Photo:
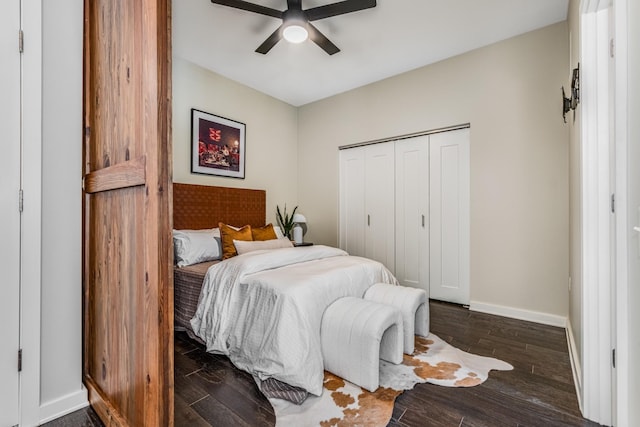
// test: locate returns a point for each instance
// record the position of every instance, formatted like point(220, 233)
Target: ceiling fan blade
point(270, 41)
point(318, 38)
point(250, 7)
point(340, 8)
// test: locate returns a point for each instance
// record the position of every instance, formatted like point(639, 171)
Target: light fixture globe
point(295, 33)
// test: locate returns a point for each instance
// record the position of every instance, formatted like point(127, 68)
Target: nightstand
point(302, 244)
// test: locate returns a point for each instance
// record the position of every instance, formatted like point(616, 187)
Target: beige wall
point(271, 133)
point(510, 93)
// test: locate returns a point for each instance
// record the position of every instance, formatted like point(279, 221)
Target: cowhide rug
point(346, 405)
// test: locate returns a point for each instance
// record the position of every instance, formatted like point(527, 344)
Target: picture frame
point(217, 145)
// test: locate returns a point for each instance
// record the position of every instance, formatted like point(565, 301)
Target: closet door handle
point(368, 220)
point(422, 221)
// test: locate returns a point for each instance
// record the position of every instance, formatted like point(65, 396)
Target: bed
point(263, 308)
point(199, 207)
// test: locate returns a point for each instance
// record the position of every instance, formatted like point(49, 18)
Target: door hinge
point(613, 357)
point(21, 41)
point(20, 360)
point(613, 203)
point(20, 200)
point(612, 49)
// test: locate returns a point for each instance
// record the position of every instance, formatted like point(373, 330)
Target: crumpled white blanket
point(264, 309)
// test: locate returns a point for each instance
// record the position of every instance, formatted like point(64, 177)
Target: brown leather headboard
point(200, 206)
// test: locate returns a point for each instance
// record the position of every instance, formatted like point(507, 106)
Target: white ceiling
point(394, 37)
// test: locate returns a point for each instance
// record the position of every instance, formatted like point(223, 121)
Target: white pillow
point(195, 246)
point(244, 246)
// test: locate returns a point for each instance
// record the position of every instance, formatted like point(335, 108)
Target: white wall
point(61, 387)
point(271, 133)
point(510, 93)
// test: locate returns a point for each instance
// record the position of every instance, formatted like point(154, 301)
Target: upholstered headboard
point(200, 206)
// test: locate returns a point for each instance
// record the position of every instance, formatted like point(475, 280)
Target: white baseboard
point(576, 367)
point(518, 313)
point(63, 405)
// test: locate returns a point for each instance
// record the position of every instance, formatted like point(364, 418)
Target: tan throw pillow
point(229, 234)
point(264, 233)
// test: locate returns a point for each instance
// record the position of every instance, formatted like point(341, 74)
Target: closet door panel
point(379, 202)
point(449, 216)
point(352, 203)
point(412, 212)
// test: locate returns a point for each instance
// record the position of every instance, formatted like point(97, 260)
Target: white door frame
point(623, 221)
point(596, 191)
point(31, 260)
point(10, 215)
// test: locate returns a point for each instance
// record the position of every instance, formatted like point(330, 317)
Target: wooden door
point(379, 202)
point(449, 188)
point(9, 212)
point(412, 212)
point(352, 215)
point(127, 276)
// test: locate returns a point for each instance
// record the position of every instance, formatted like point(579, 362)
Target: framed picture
point(217, 145)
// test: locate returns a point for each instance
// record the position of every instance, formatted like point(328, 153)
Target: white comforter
point(263, 309)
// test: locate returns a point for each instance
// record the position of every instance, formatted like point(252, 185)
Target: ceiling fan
point(296, 22)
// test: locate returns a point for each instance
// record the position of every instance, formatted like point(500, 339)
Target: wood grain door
point(127, 276)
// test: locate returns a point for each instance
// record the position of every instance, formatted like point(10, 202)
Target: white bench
point(355, 335)
point(413, 303)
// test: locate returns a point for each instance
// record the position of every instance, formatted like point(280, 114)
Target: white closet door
point(379, 202)
point(9, 214)
point(449, 216)
point(352, 204)
point(412, 212)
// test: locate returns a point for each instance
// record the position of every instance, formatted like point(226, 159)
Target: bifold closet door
point(412, 212)
point(379, 204)
point(367, 202)
point(352, 205)
point(449, 215)
point(127, 272)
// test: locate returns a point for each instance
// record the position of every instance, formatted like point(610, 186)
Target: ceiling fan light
point(295, 33)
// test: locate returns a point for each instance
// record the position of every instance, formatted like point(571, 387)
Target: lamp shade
point(299, 219)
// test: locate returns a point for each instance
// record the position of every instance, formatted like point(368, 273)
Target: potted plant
point(285, 220)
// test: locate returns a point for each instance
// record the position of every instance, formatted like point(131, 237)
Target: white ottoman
point(412, 303)
point(355, 335)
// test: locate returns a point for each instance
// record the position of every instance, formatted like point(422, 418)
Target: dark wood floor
point(209, 391)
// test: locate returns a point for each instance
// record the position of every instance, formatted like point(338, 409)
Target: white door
point(9, 213)
point(352, 210)
point(379, 204)
point(449, 216)
point(412, 212)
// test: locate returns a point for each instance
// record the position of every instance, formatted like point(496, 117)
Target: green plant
point(285, 220)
